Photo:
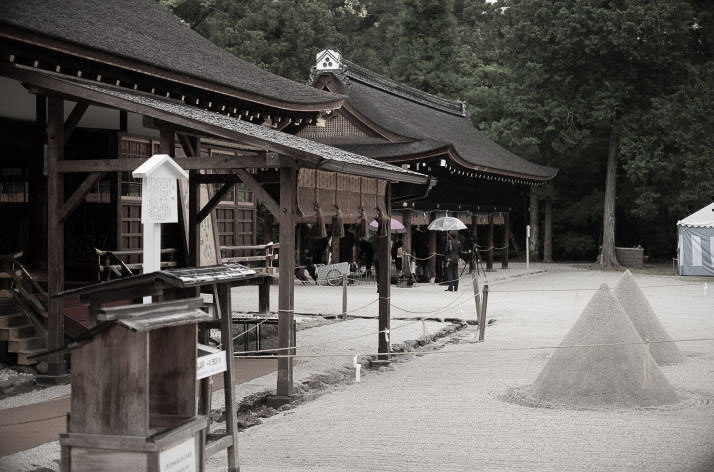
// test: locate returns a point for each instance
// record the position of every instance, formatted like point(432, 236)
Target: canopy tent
point(695, 249)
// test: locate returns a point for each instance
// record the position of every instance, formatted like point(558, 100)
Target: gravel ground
point(454, 409)
point(459, 408)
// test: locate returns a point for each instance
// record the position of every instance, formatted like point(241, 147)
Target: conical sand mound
point(619, 375)
point(630, 296)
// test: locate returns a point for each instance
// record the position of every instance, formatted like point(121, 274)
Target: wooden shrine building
point(478, 180)
point(90, 89)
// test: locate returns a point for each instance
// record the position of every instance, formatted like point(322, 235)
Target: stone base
point(276, 401)
point(377, 363)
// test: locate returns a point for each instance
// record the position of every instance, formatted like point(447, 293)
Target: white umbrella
point(446, 223)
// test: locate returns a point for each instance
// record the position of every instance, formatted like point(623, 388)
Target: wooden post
point(407, 244)
point(489, 254)
point(264, 297)
point(224, 296)
point(192, 149)
point(384, 279)
point(123, 121)
point(431, 264)
point(335, 242)
point(38, 188)
point(473, 265)
point(477, 300)
point(484, 309)
point(504, 251)
point(55, 234)
point(548, 231)
point(344, 297)
point(288, 199)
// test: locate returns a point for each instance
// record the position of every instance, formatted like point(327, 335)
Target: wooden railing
point(267, 257)
point(26, 292)
point(111, 264)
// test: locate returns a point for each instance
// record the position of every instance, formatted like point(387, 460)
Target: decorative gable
point(328, 59)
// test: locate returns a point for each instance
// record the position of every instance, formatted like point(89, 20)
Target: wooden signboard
point(209, 250)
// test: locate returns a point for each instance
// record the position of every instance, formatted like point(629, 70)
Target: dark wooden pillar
point(384, 278)
point(55, 233)
point(548, 231)
point(38, 188)
point(123, 121)
point(489, 255)
point(506, 230)
point(474, 243)
point(407, 244)
point(335, 242)
point(286, 295)
point(431, 264)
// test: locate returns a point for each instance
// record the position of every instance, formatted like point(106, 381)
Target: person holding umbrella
point(452, 250)
point(452, 254)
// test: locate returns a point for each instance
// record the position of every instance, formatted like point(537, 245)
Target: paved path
point(448, 410)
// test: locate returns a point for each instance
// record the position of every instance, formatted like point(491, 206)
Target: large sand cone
point(619, 375)
point(630, 296)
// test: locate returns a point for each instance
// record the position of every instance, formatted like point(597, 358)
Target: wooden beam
point(215, 200)
point(76, 198)
point(55, 234)
point(260, 193)
point(192, 163)
point(73, 119)
point(286, 294)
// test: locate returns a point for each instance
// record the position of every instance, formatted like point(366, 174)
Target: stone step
point(14, 319)
point(14, 333)
point(7, 306)
point(22, 357)
point(23, 345)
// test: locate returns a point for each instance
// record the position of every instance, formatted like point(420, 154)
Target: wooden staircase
point(23, 312)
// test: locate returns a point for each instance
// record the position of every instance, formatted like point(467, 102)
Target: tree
point(427, 46)
point(593, 65)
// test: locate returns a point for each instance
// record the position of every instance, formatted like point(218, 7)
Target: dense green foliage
point(551, 81)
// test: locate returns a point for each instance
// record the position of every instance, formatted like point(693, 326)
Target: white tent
point(696, 243)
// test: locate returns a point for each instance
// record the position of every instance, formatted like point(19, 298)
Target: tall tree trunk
point(548, 231)
point(608, 258)
point(535, 229)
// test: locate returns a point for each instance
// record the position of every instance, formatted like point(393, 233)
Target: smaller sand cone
point(630, 296)
point(614, 369)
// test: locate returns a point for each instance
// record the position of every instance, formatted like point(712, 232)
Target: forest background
point(618, 94)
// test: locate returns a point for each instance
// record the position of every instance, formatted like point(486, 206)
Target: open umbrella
point(446, 223)
point(395, 225)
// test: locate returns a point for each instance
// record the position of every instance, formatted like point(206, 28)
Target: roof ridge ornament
point(329, 60)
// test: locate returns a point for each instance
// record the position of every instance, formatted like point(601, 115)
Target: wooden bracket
point(259, 192)
point(73, 119)
point(215, 200)
point(74, 200)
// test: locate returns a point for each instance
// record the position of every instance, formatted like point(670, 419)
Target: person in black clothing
point(452, 254)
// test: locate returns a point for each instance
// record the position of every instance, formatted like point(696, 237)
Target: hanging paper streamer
point(386, 335)
point(358, 368)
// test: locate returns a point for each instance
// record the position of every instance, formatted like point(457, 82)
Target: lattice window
point(337, 126)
